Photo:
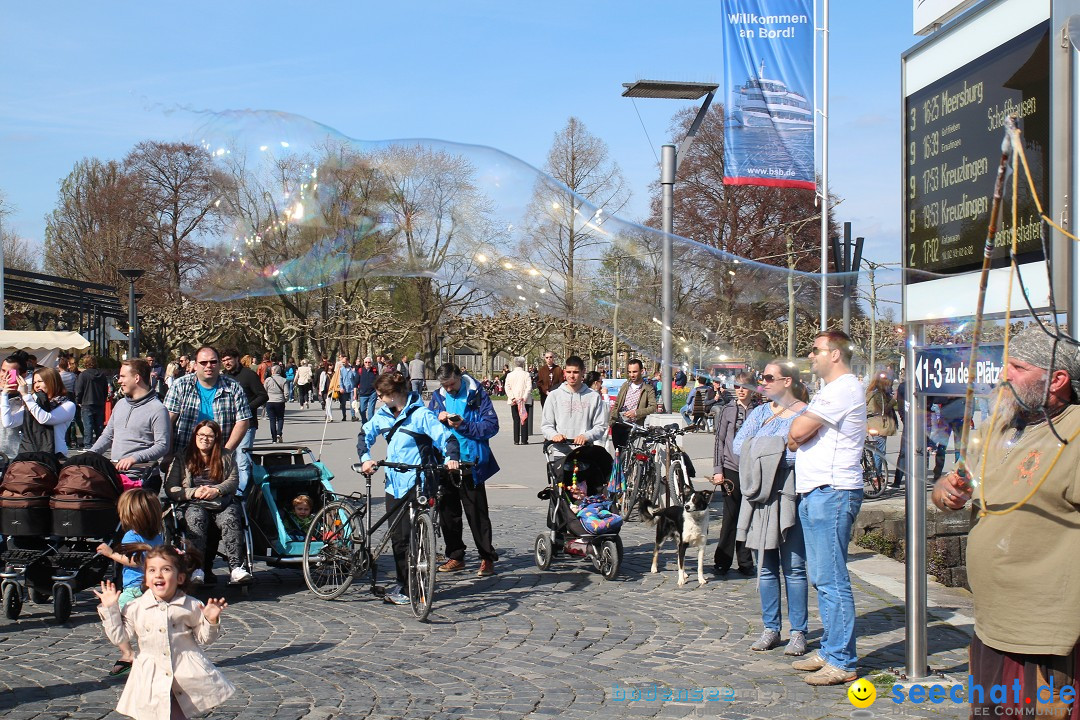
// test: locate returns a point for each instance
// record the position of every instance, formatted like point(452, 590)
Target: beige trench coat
point(169, 634)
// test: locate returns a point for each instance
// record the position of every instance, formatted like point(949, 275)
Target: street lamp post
point(133, 318)
point(669, 165)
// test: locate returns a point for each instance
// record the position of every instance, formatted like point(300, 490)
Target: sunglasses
point(768, 378)
point(819, 351)
point(207, 363)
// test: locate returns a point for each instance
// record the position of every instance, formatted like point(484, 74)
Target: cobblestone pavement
point(523, 643)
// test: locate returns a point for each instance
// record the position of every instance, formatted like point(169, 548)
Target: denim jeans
point(93, 423)
point(367, 406)
point(878, 443)
point(275, 413)
point(792, 558)
point(418, 386)
point(826, 515)
point(243, 459)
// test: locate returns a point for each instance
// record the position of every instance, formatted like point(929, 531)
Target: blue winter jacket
point(479, 425)
point(403, 448)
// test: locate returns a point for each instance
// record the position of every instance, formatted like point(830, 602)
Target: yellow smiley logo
point(862, 693)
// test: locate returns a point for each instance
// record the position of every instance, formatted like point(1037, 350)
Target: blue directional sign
point(943, 369)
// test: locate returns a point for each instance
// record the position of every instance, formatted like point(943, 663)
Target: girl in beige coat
point(171, 679)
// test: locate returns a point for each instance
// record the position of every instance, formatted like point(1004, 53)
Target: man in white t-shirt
point(828, 438)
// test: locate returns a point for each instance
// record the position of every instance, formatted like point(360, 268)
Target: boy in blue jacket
point(465, 408)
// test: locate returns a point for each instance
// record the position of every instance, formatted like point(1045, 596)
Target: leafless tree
point(178, 192)
point(582, 187)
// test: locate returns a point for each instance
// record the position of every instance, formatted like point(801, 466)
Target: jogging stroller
point(57, 517)
point(586, 527)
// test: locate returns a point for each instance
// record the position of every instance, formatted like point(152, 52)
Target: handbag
point(882, 424)
point(217, 504)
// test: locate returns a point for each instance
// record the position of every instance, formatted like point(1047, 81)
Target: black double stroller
point(54, 518)
point(590, 531)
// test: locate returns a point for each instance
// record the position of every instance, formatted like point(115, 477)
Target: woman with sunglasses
point(770, 528)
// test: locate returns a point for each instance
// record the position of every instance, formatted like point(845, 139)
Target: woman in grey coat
point(768, 518)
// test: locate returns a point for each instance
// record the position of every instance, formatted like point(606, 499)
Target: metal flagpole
point(825, 165)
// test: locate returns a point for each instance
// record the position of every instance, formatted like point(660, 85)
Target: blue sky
point(93, 79)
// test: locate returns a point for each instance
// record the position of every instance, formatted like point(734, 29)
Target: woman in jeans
point(277, 390)
point(771, 528)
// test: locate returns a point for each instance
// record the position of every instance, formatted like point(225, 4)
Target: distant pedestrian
point(303, 383)
point(91, 392)
point(365, 389)
point(417, 371)
point(548, 377)
point(277, 389)
point(519, 395)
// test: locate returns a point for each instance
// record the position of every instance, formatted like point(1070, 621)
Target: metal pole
point(825, 166)
point(915, 528)
point(667, 186)
point(1, 277)
point(846, 283)
point(133, 345)
point(790, 298)
point(615, 326)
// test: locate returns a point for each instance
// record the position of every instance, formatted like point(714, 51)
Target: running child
point(171, 679)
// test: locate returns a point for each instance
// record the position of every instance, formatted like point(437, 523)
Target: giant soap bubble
point(477, 231)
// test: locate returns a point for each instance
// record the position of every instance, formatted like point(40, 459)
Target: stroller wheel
point(61, 602)
point(12, 601)
point(610, 559)
point(543, 552)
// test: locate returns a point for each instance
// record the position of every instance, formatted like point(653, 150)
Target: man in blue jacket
point(464, 407)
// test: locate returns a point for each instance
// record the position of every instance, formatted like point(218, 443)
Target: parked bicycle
point(875, 470)
point(652, 465)
point(339, 545)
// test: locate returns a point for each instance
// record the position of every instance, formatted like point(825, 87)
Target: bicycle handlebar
point(404, 467)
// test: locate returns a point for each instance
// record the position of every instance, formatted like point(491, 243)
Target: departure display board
point(953, 130)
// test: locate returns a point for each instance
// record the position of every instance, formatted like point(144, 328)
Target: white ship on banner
point(762, 102)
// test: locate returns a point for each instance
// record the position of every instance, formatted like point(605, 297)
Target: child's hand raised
point(212, 609)
point(109, 595)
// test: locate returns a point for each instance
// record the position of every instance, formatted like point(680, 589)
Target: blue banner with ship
point(769, 86)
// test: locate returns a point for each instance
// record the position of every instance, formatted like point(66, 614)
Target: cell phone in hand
point(453, 418)
point(13, 377)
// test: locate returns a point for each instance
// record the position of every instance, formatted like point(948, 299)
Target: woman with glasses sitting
point(204, 480)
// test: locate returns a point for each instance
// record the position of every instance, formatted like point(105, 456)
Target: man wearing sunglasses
point(208, 395)
point(828, 439)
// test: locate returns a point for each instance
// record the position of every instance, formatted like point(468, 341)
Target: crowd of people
point(786, 467)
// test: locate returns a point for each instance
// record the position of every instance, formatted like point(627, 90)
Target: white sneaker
point(239, 575)
point(394, 596)
point(198, 577)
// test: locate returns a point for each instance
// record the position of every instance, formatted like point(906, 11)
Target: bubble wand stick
point(976, 331)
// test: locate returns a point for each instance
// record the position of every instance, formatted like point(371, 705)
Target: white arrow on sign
point(919, 372)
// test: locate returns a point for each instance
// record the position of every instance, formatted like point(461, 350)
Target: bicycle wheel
point(628, 501)
point(678, 482)
point(328, 551)
point(873, 481)
point(660, 491)
point(422, 565)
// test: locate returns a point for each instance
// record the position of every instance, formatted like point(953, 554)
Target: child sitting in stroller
point(578, 506)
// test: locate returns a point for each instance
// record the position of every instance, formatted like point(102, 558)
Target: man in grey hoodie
point(573, 414)
point(139, 430)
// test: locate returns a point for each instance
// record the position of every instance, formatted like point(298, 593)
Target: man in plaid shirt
point(207, 395)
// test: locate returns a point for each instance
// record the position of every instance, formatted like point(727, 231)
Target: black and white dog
point(686, 524)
